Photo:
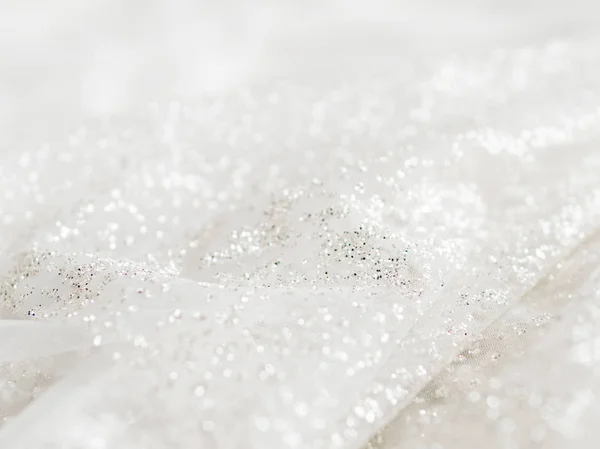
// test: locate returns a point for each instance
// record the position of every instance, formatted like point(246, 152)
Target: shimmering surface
point(391, 244)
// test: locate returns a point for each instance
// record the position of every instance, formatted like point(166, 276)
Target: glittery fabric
point(300, 226)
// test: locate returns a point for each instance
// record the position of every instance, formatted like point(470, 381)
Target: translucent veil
point(317, 225)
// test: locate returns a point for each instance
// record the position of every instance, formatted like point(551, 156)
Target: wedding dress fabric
point(319, 225)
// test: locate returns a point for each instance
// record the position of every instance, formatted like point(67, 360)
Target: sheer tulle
point(393, 240)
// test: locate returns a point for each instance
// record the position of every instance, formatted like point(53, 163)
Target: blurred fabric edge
point(102, 57)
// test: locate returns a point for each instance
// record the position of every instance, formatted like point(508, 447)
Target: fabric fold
point(292, 264)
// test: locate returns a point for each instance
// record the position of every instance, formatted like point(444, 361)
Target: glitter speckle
point(294, 263)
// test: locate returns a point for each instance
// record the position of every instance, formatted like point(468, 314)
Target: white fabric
point(314, 225)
